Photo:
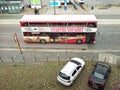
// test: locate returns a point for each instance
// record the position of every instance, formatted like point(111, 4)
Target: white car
point(70, 71)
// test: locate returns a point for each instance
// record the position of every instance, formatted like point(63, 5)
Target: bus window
point(27, 33)
point(83, 24)
point(24, 24)
point(73, 34)
point(72, 24)
point(92, 25)
point(38, 24)
point(77, 24)
point(35, 33)
point(57, 24)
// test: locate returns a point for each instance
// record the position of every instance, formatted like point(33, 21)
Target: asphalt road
point(107, 37)
point(107, 41)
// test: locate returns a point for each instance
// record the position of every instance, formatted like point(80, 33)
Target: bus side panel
point(72, 40)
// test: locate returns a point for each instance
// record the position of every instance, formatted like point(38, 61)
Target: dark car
point(99, 75)
point(118, 87)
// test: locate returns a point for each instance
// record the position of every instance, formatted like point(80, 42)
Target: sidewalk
point(98, 9)
point(100, 21)
point(104, 15)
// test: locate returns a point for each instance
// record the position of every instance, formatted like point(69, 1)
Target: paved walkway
point(97, 9)
point(106, 13)
point(100, 21)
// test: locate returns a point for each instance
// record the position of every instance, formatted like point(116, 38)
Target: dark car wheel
point(42, 41)
point(79, 42)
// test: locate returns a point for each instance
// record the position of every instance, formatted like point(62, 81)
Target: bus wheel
point(79, 42)
point(42, 41)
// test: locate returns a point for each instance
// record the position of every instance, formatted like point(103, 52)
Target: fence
point(109, 58)
point(27, 59)
point(34, 59)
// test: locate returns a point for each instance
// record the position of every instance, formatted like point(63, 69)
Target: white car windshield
point(64, 76)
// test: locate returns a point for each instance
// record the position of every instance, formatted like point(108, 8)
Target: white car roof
point(68, 68)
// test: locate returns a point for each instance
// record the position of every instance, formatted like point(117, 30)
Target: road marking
point(59, 50)
point(110, 33)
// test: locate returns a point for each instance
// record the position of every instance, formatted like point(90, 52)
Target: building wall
point(9, 7)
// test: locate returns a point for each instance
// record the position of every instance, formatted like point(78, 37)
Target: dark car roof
point(102, 68)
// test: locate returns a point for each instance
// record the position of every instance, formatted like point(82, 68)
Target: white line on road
point(59, 50)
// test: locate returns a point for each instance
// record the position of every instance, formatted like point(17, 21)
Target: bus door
point(90, 38)
point(54, 37)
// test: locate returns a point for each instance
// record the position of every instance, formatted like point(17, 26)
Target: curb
point(60, 50)
point(9, 21)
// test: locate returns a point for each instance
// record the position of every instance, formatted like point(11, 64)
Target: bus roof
point(58, 18)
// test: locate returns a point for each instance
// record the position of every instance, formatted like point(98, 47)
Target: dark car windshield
point(98, 75)
point(64, 76)
point(100, 71)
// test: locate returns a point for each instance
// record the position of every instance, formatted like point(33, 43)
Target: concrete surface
point(100, 21)
point(98, 10)
point(109, 58)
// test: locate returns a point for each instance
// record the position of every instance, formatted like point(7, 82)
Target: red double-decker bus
point(78, 29)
